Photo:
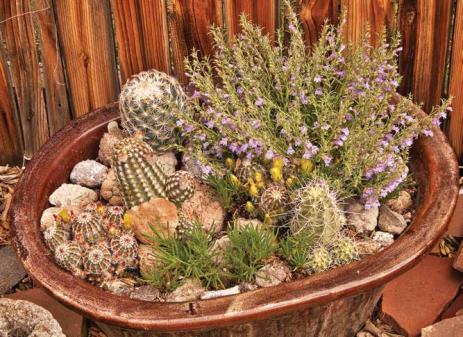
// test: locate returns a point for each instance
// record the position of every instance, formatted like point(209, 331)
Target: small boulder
point(364, 220)
point(220, 293)
point(446, 328)
point(108, 143)
point(383, 238)
point(402, 203)
point(218, 249)
point(190, 290)
point(145, 293)
point(110, 189)
point(88, 173)
point(367, 247)
point(11, 270)
point(272, 274)
point(120, 286)
point(147, 259)
point(159, 213)
point(241, 223)
point(48, 217)
point(390, 221)
point(72, 196)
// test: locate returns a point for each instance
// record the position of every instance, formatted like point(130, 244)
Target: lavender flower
point(259, 102)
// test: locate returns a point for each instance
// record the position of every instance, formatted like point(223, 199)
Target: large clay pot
point(334, 303)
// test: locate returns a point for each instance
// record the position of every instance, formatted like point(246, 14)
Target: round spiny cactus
point(97, 262)
point(125, 251)
point(69, 256)
point(180, 187)
point(344, 251)
point(316, 209)
point(274, 200)
point(183, 225)
point(88, 227)
point(249, 171)
point(55, 235)
point(150, 103)
point(140, 180)
point(320, 260)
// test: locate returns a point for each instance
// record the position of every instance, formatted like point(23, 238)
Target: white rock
point(48, 217)
point(390, 221)
point(383, 238)
point(89, 173)
point(220, 293)
point(189, 291)
point(364, 220)
point(272, 274)
point(401, 203)
point(72, 196)
point(241, 223)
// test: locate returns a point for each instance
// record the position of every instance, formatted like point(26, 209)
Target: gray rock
point(272, 274)
point(191, 290)
point(89, 173)
point(72, 196)
point(23, 318)
point(119, 286)
point(145, 293)
point(383, 238)
point(401, 203)
point(11, 270)
point(390, 221)
point(364, 220)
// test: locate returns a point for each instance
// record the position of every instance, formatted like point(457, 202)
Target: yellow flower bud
point(268, 219)
point(112, 231)
point(253, 190)
point(100, 209)
point(290, 181)
point(258, 176)
point(278, 162)
point(306, 166)
point(260, 184)
point(234, 180)
point(250, 207)
point(230, 163)
point(127, 222)
point(276, 174)
point(64, 215)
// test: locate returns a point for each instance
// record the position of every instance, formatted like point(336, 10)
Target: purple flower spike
point(318, 91)
point(290, 150)
point(269, 155)
point(327, 159)
point(317, 79)
point(259, 102)
point(428, 132)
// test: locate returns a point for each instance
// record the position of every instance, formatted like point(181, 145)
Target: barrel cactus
point(55, 235)
point(344, 251)
point(179, 187)
point(69, 256)
point(88, 227)
point(319, 260)
point(140, 179)
point(150, 103)
point(125, 251)
point(97, 262)
point(274, 199)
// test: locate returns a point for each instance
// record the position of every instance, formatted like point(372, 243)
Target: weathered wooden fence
point(63, 58)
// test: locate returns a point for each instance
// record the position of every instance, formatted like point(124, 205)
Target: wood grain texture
point(407, 27)
point(313, 14)
point(141, 35)
point(189, 23)
point(433, 24)
point(373, 14)
point(456, 85)
point(85, 31)
point(21, 47)
point(261, 12)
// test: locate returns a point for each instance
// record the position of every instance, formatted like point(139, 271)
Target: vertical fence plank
point(433, 24)
point(375, 14)
point(261, 12)
point(141, 35)
point(456, 84)
point(189, 25)
point(313, 14)
point(407, 28)
point(85, 31)
point(21, 47)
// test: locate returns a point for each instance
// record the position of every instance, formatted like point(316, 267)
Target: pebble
point(147, 259)
point(364, 220)
point(383, 238)
point(218, 249)
point(191, 290)
point(390, 221)
point(368, 247)
point(72, 196)
point(108, 142)
point(241, 223)
point(89, 173)
point(401, 203)
point(220, 293)
point(145, 293)
point(272, 274)
point(110, 189)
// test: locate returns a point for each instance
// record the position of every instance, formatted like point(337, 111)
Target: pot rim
point(430, 222)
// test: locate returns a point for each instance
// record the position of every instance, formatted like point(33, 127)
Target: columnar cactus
point(88, 227)
point(55, 235)
point(140, 180)
point(69, 256)
point(125, 251)
point(180, 187)
point(97, 262)
point(316, 209)
point(149, 102)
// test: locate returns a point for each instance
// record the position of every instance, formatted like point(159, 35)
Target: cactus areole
point(352, 288)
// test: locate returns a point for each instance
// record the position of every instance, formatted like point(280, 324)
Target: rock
point(272, 274)
point(88, 173)
point(70, 322)
point(147, 259)
point(72, 196)
point(446, 328)
point(218, 249)
point(120, 286)
point(11, 270)
point(458, 260)
point(110, 189)
point(48, 217)
point(390, 221)
point(167, 160)
point(454, 308)
point(220, 293)
point(108, 142)
point(402, 203)
point(408, 217)
point(23, 318)
point(418, 297)
point(383, 238)
point(145, 293)
point(159, 213)
point(455, 228)
point(364, 334)
point(245, 286)
point(205, 208)
point(241, 223)
point(368, 247)
point(191, 290)
point(364, 220)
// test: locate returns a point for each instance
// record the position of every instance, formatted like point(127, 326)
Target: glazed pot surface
point(435, 170)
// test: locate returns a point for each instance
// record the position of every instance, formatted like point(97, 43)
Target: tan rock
point(108, 142)
point(72, 196)
point(367, 247)
point(391, 221)
point(167, 160)
point(401, 203)
point(273, 274)
point(191, 290)
point(218, 248)
point(110, 189)
point(159, 213)
point(205, 208)
point(241, 223)
point(446, 328)
point(458, 261)
point(48, 217)
point(148, 260)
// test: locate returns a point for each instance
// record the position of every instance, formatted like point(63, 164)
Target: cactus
point(150, 102)
point(55, 235)
point(249, 171)
point(316, 208)
point(273, 200)
point(320, 260)
point(88, 227)
point(183, 225)
point(140, 180)
point(113, 217)
point(69, 256)
point(344, 251)
point(179, 187)
point(97, 262)
point(125, 251)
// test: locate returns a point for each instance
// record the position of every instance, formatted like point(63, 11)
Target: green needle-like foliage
point(227, 191)
point(295, 249)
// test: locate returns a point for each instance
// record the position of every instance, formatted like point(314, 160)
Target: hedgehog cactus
point(88, 227)
point(113, 218)
point(320, 260)
point(125, 251)
point(179, 187)
point(149, 102)
point(97, 262)
point(140, 179)
point(316, 209)
point(249, 171)
point(344, 251)
point(55, 235)
point(69, 256)
point(274, 199)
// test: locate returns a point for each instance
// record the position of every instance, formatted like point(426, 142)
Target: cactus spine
point(55, 235)
point(274, 199)
point(149, 103)
point(180, 187)
point(344, 251)
point(97, 262)
point(69, 256)
point(88, 228)
point(320, 260)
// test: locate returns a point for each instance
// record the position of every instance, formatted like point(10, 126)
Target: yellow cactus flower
point(278, 162)
point(253, 190)
point(100, 209)
point(112, 231)
point(260, 184)
point(234, 180)
point(258, 176)
point(268, 219)
point(230, 163)
point(64, 215)
point(127, 221)
point(306, 166)
point(290, 181)
point(276, 174)
point(250, 207)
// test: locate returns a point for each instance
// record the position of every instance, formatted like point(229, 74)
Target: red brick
point(70, 322)
point(417, 298)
